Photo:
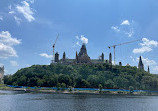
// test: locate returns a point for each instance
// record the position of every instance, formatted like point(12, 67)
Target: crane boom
point(124, 43)
point(54, 48)
point(56, 40)
point(114, 46)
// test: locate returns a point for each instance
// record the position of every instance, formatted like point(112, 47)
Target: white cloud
point(17, 19)
point(5, 37)
point(46, 55)
point(115, 28)
point(133, 59)
point(125, 28)
point(149, 43)
point(31, 1)
point(11, 12)
point(26, 10)
point(77, 37)
point(80, 40)
point(142, 50)
point(147, 61)
point(155, 68)
point(1, 18)
point(77, 43)
point(84, 39)
point(6, 45)
point(125, 22)
point(14, 63)
point(146, 46)
point(7, 51)
point(130, 33)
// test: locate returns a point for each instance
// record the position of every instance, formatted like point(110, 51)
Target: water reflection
point(20, 101)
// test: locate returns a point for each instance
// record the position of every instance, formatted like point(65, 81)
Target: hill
point(83, 75)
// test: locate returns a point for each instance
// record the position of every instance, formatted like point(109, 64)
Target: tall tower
point(148, 69)
point(1, 75)
point(83, 50)
point(102, 57)
point(56, 57)
point(110, 58)
point(120, 63)
point(64, 56)
point(83, 57)
point(140, 65)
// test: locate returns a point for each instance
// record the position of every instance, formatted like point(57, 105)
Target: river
point(20, 101)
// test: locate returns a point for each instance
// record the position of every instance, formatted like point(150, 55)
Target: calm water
point(19, 101)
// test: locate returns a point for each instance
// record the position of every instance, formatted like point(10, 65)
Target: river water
point(20, 101)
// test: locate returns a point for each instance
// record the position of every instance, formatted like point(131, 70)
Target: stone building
point(81, 58)
point(1, 74)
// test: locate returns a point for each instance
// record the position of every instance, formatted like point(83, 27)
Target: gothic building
point(1, 74)
point(81, 58)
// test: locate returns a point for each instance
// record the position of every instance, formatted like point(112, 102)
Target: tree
point(131, 89)
point(83, 75)
point(109, 84)
point(40, 82)
point(63, 86)
point(100, 87)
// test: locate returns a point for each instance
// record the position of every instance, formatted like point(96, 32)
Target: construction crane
point(54, 48)
point(114, 46)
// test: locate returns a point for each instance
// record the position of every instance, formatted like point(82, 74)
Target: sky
point(28, 29)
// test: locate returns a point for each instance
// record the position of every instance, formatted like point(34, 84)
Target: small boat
point(26, 90)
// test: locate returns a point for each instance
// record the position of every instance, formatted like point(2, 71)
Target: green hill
point(83, 76)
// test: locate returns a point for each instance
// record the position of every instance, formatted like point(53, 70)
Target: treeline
point(83, 76)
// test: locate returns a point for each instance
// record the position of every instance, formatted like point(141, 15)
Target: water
point(20, 101)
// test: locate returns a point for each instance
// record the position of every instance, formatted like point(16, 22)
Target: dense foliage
point(94, 76)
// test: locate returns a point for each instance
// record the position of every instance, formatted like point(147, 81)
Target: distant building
point(140, 64)
point(81, 58)
point(128, 65)
point(1, 74)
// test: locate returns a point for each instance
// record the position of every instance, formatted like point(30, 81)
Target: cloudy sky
point(28, 29)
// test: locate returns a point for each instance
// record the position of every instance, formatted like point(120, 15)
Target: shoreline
point(28, 90)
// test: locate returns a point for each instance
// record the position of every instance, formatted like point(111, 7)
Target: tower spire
point(140, 65)
point(64, 56)
point(148, 69)
point(76, 57)
point(110, 58)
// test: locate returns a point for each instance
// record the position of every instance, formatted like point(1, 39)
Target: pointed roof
point(83, 50)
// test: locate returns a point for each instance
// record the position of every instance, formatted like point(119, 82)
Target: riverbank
point(77, 90)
